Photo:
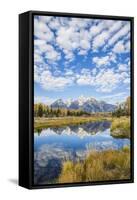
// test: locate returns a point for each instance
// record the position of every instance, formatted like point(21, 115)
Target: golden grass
point(64, 121)
point(120, 127)
point(98, 166)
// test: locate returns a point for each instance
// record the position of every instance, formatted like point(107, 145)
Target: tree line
point(123, 109)
point(42, 110)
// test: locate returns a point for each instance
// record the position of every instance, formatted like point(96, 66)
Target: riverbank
point(64, 121)
point(120, 126)
point(98, 166)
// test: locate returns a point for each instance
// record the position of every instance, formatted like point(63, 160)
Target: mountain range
point(89, 104)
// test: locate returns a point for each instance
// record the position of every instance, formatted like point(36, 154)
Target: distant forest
point(42, 110)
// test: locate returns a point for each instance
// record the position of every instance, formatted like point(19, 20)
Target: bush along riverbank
point(120, 127)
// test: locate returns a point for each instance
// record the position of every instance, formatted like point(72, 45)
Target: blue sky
point(76, 57)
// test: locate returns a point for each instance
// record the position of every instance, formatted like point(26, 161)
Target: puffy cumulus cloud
point(37, 58)
point(52, 55)
point(69, 39)
point(100, 40)
point(36, 74)
point(45, 19)
point(127, 81)
point(104, 80)
point(109, 35)
point(50, 82)
point(102, 61)
point(123, 67)
point(122, 32)
point(69, 55)
point(46, 51)
point(119, 47)
point(107, 80)
point(94, 71)
point(79, 35)
point(80, 24)
point(115, 26)
point(82, 52)
point(42, 31)
point(69, 72)
point(97, 28)
point(62, 40)
point(85, 77)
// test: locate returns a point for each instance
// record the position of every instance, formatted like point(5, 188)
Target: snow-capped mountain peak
point(88, 104)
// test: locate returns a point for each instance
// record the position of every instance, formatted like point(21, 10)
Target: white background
point(9, 10)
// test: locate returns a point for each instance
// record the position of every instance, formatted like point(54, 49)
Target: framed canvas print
point(75, 99)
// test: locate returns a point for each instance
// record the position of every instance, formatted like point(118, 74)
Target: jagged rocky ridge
point(90, 105)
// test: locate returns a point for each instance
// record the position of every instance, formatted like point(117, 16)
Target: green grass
point(98, 166)
point(64, 121)
point(120, 127)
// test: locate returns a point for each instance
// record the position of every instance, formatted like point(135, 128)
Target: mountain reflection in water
point(53, 146)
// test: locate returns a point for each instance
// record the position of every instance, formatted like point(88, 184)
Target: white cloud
point(123, 67)
point(69, 39)
point(69, 72)
point(45, 19)
point(50, 82)
point(84, 44)
point(96, 29)
point(107, 80)
point(72, 37)
point(126, 81)
point(115, 27)
point(42, 31)
point(48, 50)
point(104, 81)
point(100, 61)
point(100, 40)
point(127, 46)
point(122, 32)
point(79, 24)
point(94, 71)
point(85, 80)
point(119, 47)
point(52, 55)
point(38, 58)
point(69, 55)
point(82, 52)
point(105, 31)
point(36, 74)
point(85, 77)
point(54, 23)
point(77, 34)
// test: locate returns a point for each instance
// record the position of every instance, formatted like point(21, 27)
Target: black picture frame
point(26, 98)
